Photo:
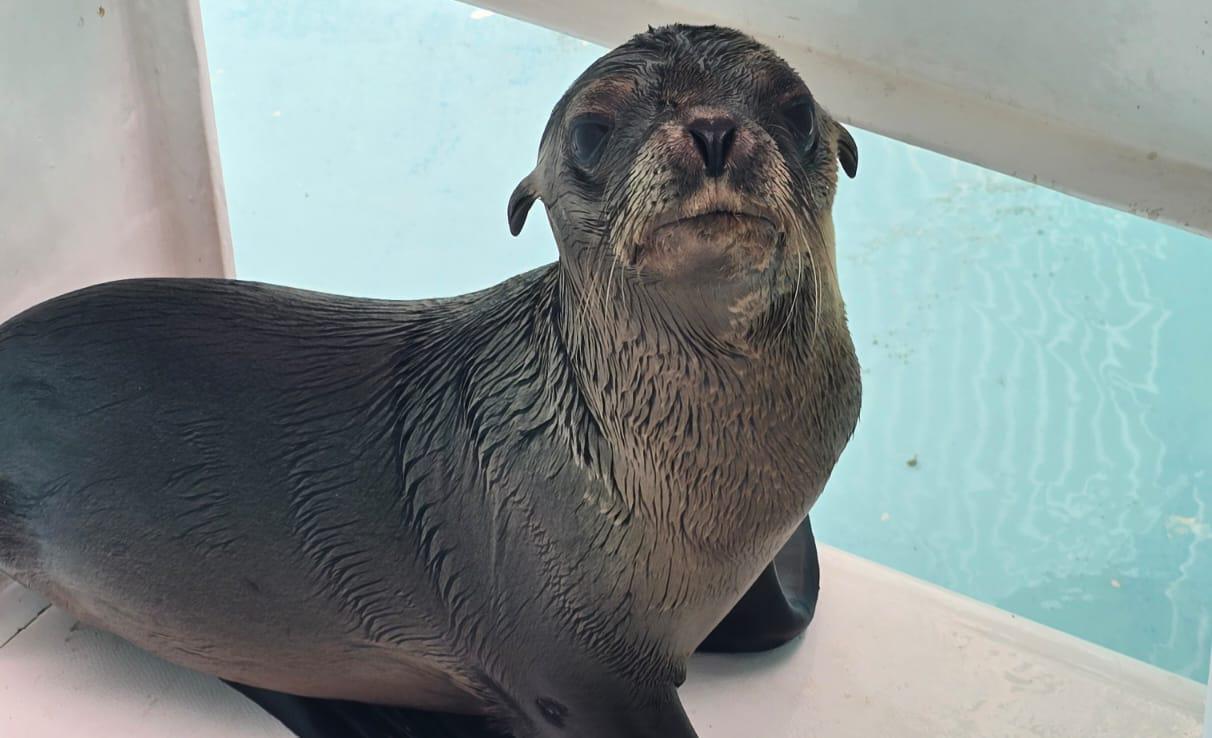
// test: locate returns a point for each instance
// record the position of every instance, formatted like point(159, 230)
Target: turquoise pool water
point(1037, 420)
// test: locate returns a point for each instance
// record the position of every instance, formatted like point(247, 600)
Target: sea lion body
point(531, 502)
point(236, 431)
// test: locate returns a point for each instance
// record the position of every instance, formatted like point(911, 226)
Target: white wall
point(1107, 101)
point(108, 166)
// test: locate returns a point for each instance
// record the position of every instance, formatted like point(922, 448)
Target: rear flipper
point(778, 606)
point(310, 717)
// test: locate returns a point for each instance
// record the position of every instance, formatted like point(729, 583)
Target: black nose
point(713, 138)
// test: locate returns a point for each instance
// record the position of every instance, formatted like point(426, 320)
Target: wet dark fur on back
point(532, 502)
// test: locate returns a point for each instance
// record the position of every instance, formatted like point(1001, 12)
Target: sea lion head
point(692, 159)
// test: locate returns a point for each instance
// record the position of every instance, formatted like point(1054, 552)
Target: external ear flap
point(847, 151)
point(520, 201)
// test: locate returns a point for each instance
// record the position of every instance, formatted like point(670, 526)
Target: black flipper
point(309, 717)
point(778, 606)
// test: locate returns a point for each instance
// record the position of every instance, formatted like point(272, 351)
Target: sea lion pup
point(530, 503)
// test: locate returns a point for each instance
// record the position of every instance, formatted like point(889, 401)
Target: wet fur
point(533, 502)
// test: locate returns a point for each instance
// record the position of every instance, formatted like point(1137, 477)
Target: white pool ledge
point(887, 656)
point(1108, 106)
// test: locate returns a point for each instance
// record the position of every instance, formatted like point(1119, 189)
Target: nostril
point(702, 142)
point(726, 143)
point(713, 137)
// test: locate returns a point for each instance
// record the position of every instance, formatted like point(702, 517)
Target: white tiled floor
point(887, 656)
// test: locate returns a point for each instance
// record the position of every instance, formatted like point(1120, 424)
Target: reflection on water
point(1042, 361)
point(1037, 428)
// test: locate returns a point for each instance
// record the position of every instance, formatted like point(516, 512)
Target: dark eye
point(589, 134)
point(800, 117)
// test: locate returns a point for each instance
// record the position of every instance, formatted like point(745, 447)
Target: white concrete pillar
point(108, 154)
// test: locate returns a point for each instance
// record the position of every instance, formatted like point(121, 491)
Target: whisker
point(795, 296)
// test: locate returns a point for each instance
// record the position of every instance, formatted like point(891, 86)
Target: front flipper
point(778, 606)
point(310, 717)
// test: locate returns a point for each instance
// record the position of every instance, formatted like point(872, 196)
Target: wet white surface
point(887, 656)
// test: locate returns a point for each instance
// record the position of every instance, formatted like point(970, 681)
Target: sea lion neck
point(714, 447)
point(614, 323)
point(604, 307)
point(655, 374)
